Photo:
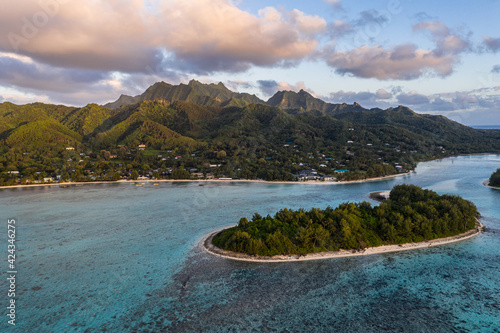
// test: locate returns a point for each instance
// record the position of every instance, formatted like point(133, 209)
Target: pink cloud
point(401, 63)
point(216, 35)
point(270, 87)
point(446, 41)
point(84, 34)
point(201, 35)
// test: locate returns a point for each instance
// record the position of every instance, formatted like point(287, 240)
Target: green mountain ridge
point(194, 92)
point(197, 125)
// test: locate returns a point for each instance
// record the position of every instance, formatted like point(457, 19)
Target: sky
point(437, 57)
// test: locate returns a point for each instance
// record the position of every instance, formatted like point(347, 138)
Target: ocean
point(122, 258)
point(486, 126)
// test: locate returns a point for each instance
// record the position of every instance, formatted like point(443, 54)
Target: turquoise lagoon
point(122, 258)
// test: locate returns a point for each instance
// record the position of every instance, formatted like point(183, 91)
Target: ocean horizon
point(486, 126)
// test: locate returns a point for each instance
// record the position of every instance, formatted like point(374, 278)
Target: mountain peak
point(194, 92)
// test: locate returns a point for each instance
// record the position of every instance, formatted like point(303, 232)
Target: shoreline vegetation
point(407, 217)
point(210, 248)
point(494, 180)
point(139, 181)
point(487, 184)
point(207, 131)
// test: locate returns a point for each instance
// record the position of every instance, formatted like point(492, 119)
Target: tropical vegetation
point(207, 131)
point(495, 178)
point(411, 214)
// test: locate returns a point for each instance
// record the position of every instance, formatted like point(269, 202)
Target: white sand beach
point(208, 181)
point(486, 183)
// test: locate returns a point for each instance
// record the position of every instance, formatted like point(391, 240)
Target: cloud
point(383, 94)
point(307, 24)
point(336, 3)
point(270, 87)
point(434, 27)
point(371, 17)
point(235, 85)
point(96, 35)
point(202, 36)
point(458, 101)
point(214, 35)
point(351, 96)
point(439, 104)
point(468, 107)
point(446, 41)
point(380, 99)
point(423, 16)
point(20, 99)
point(412, 98)
point(403, 62)
point(496, 69)
point(339, 28)
point(68, 85)
point(491, 44)
point(23, 72)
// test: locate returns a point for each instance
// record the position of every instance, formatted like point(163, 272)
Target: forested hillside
point(199, 131)
point(495, 178)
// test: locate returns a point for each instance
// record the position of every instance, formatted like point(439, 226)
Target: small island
point(494, 180)
point(411, 216)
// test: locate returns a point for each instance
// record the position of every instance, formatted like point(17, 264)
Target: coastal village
point(142, 163)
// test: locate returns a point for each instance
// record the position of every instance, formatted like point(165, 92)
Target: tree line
point(495, 178)
point(411, 214)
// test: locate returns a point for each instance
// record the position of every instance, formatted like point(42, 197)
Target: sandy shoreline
point(486, 183)
point(123, 181)
point(210, 248)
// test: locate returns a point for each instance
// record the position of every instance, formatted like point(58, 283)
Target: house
point(113, 156)
point(48, 179)
point(70, 148)
point(341, 170)
point(13, 172)
point(141, 146)
point(308, 175)
point(328, 178)
point(197, 175)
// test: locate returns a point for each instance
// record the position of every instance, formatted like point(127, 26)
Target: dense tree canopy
point(187, 130)
point(495, 178)
point(411, 214)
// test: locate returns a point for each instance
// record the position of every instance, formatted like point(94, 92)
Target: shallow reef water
point(121, 258)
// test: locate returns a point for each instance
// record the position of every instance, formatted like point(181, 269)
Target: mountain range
point(247, 137)
point(218, 95)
